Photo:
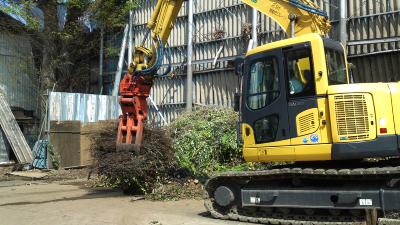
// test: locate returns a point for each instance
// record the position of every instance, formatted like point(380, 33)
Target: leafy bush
point(205, 140)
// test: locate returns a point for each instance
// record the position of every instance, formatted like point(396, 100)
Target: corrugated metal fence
point(17, 74)
point(374, 40)
point(82, 107)
point(223, 25)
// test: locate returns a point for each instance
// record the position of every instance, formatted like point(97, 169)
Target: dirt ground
point(62, 199)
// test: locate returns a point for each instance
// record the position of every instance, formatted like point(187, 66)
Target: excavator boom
point(296, 17)
point(308, 17)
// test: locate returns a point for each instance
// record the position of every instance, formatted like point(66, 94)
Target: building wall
point(18, 80)
point(373, 31)
point(374, 40)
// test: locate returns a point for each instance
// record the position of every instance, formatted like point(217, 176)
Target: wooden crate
point(71, 139)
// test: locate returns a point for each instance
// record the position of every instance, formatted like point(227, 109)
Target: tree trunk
point(49, 48)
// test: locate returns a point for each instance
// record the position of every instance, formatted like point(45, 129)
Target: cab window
point(263, 86)
point(299, 72)
point(265, 129)
point(336, 66)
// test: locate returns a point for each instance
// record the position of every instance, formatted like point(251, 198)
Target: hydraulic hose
point(308, 8)
point(169, 58)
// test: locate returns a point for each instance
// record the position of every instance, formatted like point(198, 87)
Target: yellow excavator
point(297, 105)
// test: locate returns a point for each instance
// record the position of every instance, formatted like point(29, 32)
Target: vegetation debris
point(133, 172)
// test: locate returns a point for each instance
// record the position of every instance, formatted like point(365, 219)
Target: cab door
point(301, 92)
point(265, 103)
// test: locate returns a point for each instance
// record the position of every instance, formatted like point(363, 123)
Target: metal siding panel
point(17, 75)
point(377, 68)
point(83, 107)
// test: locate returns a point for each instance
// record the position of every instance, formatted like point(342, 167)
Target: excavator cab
point(284, 102)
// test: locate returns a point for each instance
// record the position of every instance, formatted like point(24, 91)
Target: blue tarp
point(40, 153)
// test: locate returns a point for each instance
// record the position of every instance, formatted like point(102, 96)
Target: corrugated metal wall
point(373, 30)
point(83, 107)
point(17, 75)
point(374, 40)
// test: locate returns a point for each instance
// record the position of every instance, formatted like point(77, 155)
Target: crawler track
point(387, 172)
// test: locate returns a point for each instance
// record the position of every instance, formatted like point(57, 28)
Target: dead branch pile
point(133, 172)
point(218, 34)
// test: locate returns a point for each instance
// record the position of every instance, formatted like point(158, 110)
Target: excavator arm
point(296, 17)
point(136, 85)
point(306, 15)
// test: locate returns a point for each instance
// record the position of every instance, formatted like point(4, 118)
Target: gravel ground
point(66, 197)
point(31, 203)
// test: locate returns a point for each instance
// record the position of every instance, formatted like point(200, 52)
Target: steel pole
point(158, 110)
point(189, 82)
point(120, 63)
point(130, 43)
point(254, 24)
point(101, 60)
point(343, 22)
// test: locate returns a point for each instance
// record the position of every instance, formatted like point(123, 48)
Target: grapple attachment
point(134, 91)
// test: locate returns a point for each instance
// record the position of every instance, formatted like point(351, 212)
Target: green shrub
point(54, 156)
point(205, 140)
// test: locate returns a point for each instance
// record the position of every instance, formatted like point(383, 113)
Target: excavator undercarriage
point(306, 194)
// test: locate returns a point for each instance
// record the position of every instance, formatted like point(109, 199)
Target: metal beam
point(120, 63)
point(343, 22)
point(373, 53)
point(101, 60)
point(130, 42)
point(158, 110)
point(254, 14)
point(374, 41)
point(189, 84)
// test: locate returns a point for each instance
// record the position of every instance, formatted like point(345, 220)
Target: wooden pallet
point(13, 133)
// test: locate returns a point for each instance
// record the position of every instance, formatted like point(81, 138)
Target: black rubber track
point(382, 170)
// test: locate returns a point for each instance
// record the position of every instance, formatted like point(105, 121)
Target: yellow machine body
point(348, 121)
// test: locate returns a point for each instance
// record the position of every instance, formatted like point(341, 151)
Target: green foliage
point(54, 156)
point(205, 140)
point(111, 51)
point(22, 11)
point(243, 166)
point(111, 13)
